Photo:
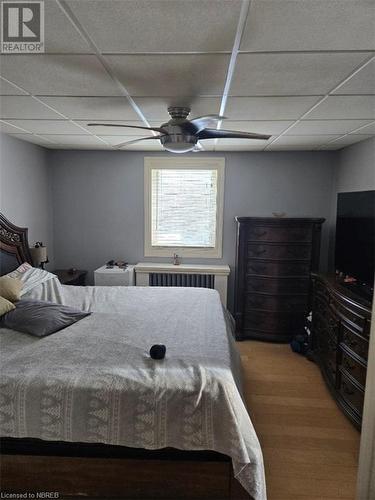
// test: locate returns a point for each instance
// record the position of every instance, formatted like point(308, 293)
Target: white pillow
point(17, 273)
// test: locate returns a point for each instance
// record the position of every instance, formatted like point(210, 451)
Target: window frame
point(184, 163)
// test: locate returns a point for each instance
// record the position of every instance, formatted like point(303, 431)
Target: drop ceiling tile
point(345, 107)
point(346, 141)
point(292, 74)
point(292, 147)
point(93, 108)
point(290, 142)
point(117, 131)
point(362, 82)
point(240, 145)
point(159, 26)
point(92, 147)
point(275, 25)
point(114, 140)
point(34, 139)
point(23, 107)
point(369, 129)
point(73, 140)
point(232, 145)
point(171, 75)
point(268, 108)
point(59, 33)
point(207, 145)
point(45, 74)
point(155, 108)
point(48, 126)
point(8, 89)
point(321, 127)
point(144, 147)
point(259, 127)
point(7, 128)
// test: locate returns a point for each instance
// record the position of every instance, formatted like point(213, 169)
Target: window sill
point(201, 253)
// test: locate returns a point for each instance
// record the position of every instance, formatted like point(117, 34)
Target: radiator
point(169, 279)
point(154, 274)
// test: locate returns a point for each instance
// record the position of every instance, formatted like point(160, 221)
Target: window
point(184, 206)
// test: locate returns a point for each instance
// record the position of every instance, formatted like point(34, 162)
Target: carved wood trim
point(13, 240)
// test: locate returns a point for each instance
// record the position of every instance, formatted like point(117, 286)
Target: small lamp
point(39, 254)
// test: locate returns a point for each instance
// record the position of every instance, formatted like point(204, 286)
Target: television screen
point(355, 235)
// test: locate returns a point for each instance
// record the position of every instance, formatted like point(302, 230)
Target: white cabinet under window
point(184, 206)
point(114, 276)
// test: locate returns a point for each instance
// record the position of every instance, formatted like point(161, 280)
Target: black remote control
point(158, 351)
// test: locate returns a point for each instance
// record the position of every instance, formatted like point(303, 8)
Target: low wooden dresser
point(274, 259)
point(341, 331)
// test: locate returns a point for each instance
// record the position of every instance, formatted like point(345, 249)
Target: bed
point(87, 412)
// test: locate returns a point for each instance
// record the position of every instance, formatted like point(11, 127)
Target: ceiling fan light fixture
point(180, 135)
point(179, 143)
point(182, 147)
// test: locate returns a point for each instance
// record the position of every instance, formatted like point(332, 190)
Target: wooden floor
point(310, 449)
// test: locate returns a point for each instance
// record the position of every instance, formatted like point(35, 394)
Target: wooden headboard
point(14, 246)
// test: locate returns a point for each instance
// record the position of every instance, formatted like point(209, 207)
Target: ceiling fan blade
point(201, 122)
point(127, 143)
point(210, 133)
point(156, 129)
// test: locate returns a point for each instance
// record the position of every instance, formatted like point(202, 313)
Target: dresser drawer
point(321, 291)
point(353, 368)
point(320, 306)
point(275, 285)
point(350, 315)
point(276, 252)
point(263, 268)
point(280, 234)
point(272, 322)
point(281, 303)
point(327, 324)
point(351, 394)
point(354, 342)
point(327, 349)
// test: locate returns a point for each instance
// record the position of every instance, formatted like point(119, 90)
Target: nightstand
point(115, 276)
point(66, 277)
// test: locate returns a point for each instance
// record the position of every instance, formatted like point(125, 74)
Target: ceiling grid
point(291, 72)
point(324, 98)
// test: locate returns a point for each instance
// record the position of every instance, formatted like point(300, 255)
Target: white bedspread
point(95, 382)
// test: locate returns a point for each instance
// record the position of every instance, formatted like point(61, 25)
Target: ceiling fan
point(180, 135)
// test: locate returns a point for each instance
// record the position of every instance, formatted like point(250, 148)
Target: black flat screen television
point(355, 236)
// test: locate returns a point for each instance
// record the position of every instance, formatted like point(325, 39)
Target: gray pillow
point(40, 318)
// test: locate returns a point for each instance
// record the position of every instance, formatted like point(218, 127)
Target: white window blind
point(184, 204)
point(184, 199)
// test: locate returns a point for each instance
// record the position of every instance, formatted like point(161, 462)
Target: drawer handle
point(255, 287)
point(348, 366)
point(255, 303)
point(259, 252)
point(257, 268)
point(346, 389)
point(296, 252)
point(332, 345)
point(259, 233)
point(296, 236)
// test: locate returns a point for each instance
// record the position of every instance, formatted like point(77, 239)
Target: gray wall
point(87, 206)
point(98, 200)
point(24, 189)
point(356, 168)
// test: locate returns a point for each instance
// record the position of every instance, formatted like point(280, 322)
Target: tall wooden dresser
point(274, 259)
